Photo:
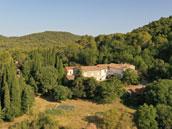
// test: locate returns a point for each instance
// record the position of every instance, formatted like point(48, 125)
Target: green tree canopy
point(145, 117)
point(130, 76)
point(61, 92)
point(159, 92)
point(46, 78)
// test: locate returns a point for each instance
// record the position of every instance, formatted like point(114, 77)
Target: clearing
point(76, 119)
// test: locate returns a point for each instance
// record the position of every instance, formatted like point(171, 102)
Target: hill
point(43, 39)
point(160, 30)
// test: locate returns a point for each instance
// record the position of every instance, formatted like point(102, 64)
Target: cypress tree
point(57, 62)
point(6, 97)
point(27, 98)
point(1, 114)
point(33, 84)
point(53, 56)
point(2, 85)
point(61, 71)
point(15, 93)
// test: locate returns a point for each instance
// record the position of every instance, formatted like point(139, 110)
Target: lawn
point(83, 113)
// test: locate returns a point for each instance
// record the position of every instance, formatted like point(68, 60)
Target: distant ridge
point(42, 39)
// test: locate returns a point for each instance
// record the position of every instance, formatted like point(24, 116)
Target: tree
point(5, 57)
point(8, 114)
point(78, 88)
point(117, 84)
point(88, 56)
point(60, 71)
point(164, 116)
point(6, 97)
point(111, 119)
point(105, 93)
point(15, 91)
point(1, 114)
point(27, 98)
point(109, 90)
point(159, 92)
point(145, 117)
point(61, 93)
point(46, 78)
point(90, 87)
point(144, 39)
point(159, 70)
point(130, 76)
point(32, 83)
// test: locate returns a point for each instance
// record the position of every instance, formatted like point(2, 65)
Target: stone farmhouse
point(100, 72)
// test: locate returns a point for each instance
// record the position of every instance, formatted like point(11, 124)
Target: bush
point(42, 121)
point(111, 119)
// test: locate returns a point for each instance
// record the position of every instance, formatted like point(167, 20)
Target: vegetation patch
point(66, 107)
point(55, 111)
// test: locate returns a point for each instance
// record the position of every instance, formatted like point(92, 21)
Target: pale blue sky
point(92, 17)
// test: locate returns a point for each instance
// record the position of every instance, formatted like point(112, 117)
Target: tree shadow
point(98, 121)
point(132, 101)
point(49, 98)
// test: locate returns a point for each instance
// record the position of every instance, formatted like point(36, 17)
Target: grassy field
point(83, 113)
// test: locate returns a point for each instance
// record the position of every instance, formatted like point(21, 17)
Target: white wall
point(70, 72)
point(103, 74)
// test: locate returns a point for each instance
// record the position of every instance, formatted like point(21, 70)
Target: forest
point(34, 64)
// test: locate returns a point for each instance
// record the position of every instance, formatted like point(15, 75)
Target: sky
point(92, 17)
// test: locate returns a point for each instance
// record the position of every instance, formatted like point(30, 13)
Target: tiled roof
point(101, 66)
point(119, 66)
point(68, 68)
point(92, 68)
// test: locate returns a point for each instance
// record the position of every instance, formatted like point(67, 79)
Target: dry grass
point(77, 119)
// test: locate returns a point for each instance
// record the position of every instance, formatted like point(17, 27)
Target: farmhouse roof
point(101, 67)
point(69, 68)
point(92, 68)
point(119, 66)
